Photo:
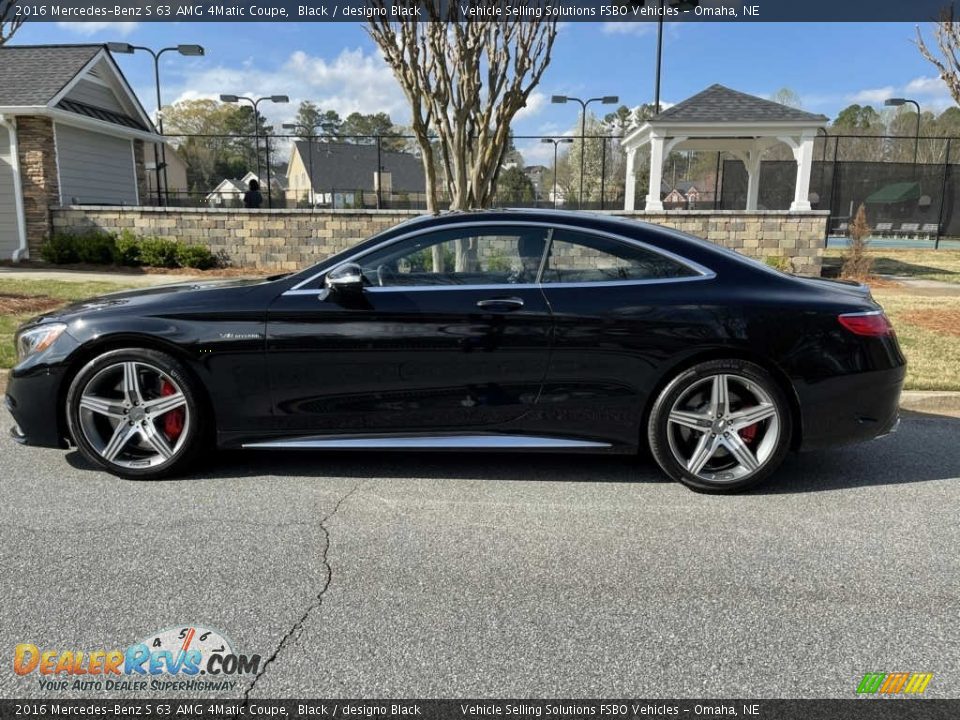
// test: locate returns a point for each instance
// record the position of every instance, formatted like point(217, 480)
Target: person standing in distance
point(252, 198)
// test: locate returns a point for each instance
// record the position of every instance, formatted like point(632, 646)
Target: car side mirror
point(346, 278)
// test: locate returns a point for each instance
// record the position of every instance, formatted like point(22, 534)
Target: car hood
point(144, 300)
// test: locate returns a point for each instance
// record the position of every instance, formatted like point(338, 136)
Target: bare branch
point(465, 81)
point(9, 23)
point(947, 35)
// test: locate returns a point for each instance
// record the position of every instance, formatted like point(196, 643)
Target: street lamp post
point(562, 99)
point(556, 144)
point(680, 5)
point(256, 130)
point(159, 160)
point(310, 130)
point(897, 102)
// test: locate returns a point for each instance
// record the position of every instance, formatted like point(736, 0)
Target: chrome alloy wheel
point(723, 428)
point(134, 415)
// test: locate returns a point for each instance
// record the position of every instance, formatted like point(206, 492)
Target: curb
point(935, 402)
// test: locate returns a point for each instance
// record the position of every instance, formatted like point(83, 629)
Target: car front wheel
point(135, 413)
point(720, 426)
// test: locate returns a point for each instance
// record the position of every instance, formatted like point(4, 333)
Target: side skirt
point(429, 442)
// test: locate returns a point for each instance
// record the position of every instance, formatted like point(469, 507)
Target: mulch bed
point(89, 267)
point(19, 304)
point(941, 321)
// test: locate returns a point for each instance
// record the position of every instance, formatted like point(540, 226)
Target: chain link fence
point(910, 187)
point(365, 172)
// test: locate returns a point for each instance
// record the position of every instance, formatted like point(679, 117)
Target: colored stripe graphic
point(893, 683)
point(871, 682)
point(918, 683)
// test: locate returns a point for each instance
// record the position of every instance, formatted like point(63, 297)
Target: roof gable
point(32, 75)
point(719, 104)
point(77, 79)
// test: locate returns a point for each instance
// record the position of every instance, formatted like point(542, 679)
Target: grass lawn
point(928, 327)
point(23, 299)
point(929, 332)
point(943, 265)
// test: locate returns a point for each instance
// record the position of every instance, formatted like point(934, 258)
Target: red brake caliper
point(173, 420)
point(749, 433)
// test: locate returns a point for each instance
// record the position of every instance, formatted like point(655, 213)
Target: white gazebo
point(721, 119)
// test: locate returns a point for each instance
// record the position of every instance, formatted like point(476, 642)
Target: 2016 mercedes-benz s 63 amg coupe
point(499, 330)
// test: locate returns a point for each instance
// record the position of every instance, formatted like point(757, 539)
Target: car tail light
point(871, 324)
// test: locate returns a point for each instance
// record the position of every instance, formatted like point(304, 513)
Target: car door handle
point(508, 303)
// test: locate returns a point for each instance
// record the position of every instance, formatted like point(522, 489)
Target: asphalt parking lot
point(359, 575)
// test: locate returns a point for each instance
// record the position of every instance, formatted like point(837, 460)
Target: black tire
point(183, 449)
point(666, 438)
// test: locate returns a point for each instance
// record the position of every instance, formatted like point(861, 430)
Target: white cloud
point(626, 28)
point(873, 96)
point(353, 81)
point(927, 86)
point(87, 29)
point(535, 103)
point(930, 92)
point(536, 152)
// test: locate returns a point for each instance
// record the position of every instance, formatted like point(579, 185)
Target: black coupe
point(498, 330)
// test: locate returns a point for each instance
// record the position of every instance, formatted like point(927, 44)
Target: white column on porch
point(803, 153)
point(654, 203)
point(752, 162)
point(630, 187)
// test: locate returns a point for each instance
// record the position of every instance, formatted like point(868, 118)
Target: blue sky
point(830, 65)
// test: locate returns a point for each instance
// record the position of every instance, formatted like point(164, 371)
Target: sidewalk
point(124, 278)
point(919, 286)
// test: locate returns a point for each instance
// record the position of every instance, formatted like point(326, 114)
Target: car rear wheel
point(135, 413)
point(720, 426)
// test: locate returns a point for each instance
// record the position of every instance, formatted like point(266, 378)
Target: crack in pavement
point(293, 634)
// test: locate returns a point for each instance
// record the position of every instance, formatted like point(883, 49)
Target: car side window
point(488, 255)
point(579, 257)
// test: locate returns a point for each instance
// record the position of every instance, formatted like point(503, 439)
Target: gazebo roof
point(719, 119)
point(719, 104)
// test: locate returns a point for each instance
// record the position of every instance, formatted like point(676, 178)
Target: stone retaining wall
point(291, 239)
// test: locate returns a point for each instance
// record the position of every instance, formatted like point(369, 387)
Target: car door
point(449, 330)
point(622, 309)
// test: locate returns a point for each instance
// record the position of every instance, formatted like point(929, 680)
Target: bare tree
point(947, 34)
point(465, 82)
point(9, 23)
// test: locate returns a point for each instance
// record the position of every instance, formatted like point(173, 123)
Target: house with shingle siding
point(71, 132)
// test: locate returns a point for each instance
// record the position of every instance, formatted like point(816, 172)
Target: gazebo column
point(803, 153)
point(630, 186)
point(752, 161)
point(654, 203)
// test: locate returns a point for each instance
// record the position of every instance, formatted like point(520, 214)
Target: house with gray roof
point(719, 119)
point(346, 174)
point(72, 131)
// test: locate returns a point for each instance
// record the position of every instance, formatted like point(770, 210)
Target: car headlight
point(38, 339)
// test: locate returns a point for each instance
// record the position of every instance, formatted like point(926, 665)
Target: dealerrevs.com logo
point(182, 658)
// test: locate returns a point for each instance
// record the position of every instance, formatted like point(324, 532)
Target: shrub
point(856, 262)
point(97, 248)
point(60, 249)
point(779, 262)
point(158, 252)
point(127, 248)
point(195, 256)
